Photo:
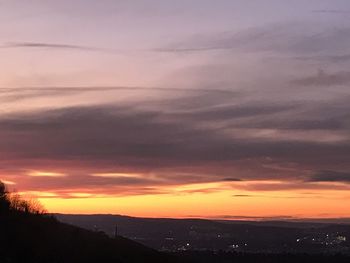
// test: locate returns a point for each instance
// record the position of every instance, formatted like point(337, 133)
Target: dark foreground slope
point(37, 238)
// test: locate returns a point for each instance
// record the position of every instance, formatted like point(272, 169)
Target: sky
point(189, 108)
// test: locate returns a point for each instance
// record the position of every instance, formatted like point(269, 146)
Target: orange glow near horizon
point(225, 199)
point(222, 204)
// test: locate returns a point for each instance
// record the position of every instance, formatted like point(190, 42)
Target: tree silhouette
point(13, 203)
point(4, 202)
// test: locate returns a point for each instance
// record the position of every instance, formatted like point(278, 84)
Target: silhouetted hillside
point(31, 238)
point(26, 235)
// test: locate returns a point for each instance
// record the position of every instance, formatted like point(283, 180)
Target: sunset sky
point(187, 108)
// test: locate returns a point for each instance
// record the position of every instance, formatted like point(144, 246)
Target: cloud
point(102, 136)
point(290, 185)
point(331, 11)
point(244, 195)
point(41, 45)
point(283, 38)
point(325, 79)
point(102, 133)
point(278, 197)
point(342, 58)
point(231, 179)
point(197, 136)
point(227, 112)
point(16, 94)
point(109, 132)
point(330, 117)
point(330, 176)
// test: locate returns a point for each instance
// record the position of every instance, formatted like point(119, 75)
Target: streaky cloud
point(41, 45)
point(323, 78)
point(73, 89)
point(331, 176)
point(293, 38)
point(331, 11)
point(231, 179)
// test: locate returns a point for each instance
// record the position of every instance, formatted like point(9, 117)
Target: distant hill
point(235, 236)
